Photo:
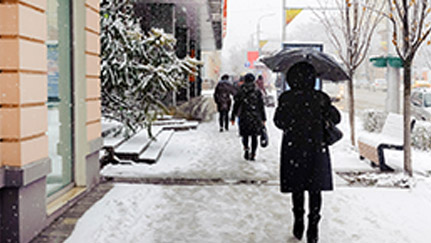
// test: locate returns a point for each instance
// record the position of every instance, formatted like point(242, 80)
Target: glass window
point(59, 95)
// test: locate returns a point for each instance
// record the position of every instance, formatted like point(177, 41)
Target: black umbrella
point(326, 67)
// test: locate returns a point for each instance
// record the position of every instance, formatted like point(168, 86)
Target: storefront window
point(59, 96)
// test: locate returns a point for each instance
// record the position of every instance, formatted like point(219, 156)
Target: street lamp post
point(258, 29)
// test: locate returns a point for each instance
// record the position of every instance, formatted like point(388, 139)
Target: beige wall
point(92, 52)
point(23, 82)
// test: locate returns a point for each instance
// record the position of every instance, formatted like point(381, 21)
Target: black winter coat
point(222, 94)
point(250, 109)
point(305, 162)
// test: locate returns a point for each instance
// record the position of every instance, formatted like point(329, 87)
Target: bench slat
point(136, 144)
point(393, 128)
point(155, 149)
point(169, 122)
point(184, 126)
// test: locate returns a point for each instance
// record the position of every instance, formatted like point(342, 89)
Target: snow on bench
point(179, 127)
point(131, 148)
point(112, 142)
point(119, 149)
point(108, 126)
point(165, 117)
point(169, 122)
point(371, 145)
point(156, 147)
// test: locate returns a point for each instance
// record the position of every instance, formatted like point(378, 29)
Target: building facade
point(49, 110)
point(50, 116)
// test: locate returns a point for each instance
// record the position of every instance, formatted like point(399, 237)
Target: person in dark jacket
point(222, 98)
point(305, 164)
point(249, 108)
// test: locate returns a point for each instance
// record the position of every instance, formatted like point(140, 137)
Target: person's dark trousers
point(245, 141)
point(315, 204)
point(224, 119)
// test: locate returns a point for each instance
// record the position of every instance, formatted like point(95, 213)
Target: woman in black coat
point(250, 109)
point(305, 163)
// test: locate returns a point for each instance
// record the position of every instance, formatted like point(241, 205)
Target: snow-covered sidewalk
point(250, 212)
point(207, 153)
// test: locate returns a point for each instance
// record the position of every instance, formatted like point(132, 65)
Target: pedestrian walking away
point(222, 97)
point(260, 83)
point(249, 107)
point(305, 163)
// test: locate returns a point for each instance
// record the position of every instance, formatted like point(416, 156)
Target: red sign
point(252, 56)
point(224, 18)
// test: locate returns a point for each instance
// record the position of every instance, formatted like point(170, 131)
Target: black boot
point(246, 154)
point(313, 231)
point(298, 225)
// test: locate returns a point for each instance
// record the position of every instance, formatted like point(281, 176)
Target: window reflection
point(59, 95)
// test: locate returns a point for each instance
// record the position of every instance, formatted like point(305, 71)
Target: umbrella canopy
point(326, 67)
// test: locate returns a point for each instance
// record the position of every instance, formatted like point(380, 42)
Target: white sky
point(243, 18)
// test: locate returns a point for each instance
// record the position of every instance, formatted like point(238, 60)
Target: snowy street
point(365, 99)
point(231, 212)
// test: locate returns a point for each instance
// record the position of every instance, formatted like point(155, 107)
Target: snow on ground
point(251, 213)
point(207, 153)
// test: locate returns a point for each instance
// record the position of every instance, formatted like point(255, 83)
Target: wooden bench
point(140, 148)
point(371, 146)
point(135, 145)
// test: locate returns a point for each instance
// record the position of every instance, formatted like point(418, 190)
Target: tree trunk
point(351, 105)
point(407, 115)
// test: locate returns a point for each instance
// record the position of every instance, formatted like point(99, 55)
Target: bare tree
point(351, 36)
point(411, 27)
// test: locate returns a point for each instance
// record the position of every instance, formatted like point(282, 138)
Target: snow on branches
point(138, 70)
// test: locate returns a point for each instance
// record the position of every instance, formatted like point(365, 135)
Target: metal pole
point(393, 76)
point(258, 36)
point(283, 24)
point(258, 29)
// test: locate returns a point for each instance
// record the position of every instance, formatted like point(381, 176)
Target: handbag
point(264, 137)
point(331, 133)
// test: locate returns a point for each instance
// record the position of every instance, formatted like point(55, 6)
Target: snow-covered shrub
point(138, 69)
point(373, 120)
point(421, 135)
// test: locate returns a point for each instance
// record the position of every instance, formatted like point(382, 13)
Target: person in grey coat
point(304, 164)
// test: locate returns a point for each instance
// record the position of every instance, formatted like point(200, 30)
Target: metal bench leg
point(382, 164)
point(109, 158)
